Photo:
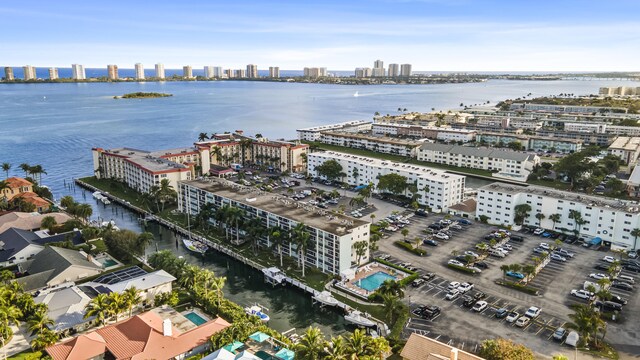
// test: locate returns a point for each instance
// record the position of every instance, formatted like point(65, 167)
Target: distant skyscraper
point(77, 71)
point(217, 71)
point(29, 72)
point(240, 73)
point(315, 72)
point(252, 71)
point(187, 72)
point(378, 64)
point(367, 72)
point(228, 73)
point(378, 72)
point(394, 69)
point(359, 73)
point(274, 71)
point(160, 71)
point(112, 72)
point(53, 73)
point(208, 72)
point(8, 74)
point(405, 70)
point(139, 71)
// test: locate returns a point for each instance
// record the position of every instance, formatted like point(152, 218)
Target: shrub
point(462, 269)
point(410, 248)
point(398, 326)
point(524, 288)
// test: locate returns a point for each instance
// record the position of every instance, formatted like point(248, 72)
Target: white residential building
point(405, 70)
point(609, 219)
point(429, 132)
point(187, 72)
point(208, 72)
point(139, 71)
point(509, 164)
point(217, 71)
point(626, 148)
point(160, 71)
point(394, 70)
point(53, 73)
point(315, 72)
point(252, 71)
point(313, 133)
point(29, 72)
point(444, 189)
point(274, 72)
point(381, 144)
point(332, 235)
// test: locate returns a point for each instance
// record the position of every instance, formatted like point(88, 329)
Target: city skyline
point(433, 35)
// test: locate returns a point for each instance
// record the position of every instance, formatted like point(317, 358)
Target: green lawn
point(99, 244)
point(376, 310)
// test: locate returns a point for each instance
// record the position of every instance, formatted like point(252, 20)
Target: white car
point(558, 257)
point(598, 276)
point(480, 305)
point(582, 294)
point(384, 256)
point(502, 250)
point(454, 285)
point(608, 259)
point(476, 269)
point(452, 294)
point(441, 236)
point(471, 253)
point(455, 262)
point(507, 247)
point(504, 231)
point(538, 231)
point(544, 246)
point(533, 312)
point(465, 287)
point(513, 316)
point(523, 321)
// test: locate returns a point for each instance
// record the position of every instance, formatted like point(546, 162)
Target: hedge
point(396, 329)
point(524, 288)
point(462, 269)
point(410, 248)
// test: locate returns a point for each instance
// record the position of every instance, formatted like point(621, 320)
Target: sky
point(432, 35)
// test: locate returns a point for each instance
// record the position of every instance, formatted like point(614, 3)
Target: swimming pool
point(195, 318)
point(109, 262)
point(373, 281)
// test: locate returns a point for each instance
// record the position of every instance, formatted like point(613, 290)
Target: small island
point(142, 95)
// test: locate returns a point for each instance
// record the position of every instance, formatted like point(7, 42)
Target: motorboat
point(105, 201)
point(257, 310)
point(97, 194)
point(325, 298)
point(357, 318)
point(274, 276)
point(356, 94)
point(195, 246)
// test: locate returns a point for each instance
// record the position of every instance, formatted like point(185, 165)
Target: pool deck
point(366, 271)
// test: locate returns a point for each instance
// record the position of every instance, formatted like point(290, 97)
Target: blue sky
point(433, 35)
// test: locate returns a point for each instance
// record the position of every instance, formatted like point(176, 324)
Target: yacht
point(357, 318)
point(257, 310)
point(105, 201)
point(274, 276)
point(195, 246)
point(325, 298)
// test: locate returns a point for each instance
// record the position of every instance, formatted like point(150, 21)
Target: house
point(466, 209)
point(54, 266)
point(28, 221)
point(151, 335)
point(420, 347)
point(19, 188)
point(149, 284)
point(18, 246)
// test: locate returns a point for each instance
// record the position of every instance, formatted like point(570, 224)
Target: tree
point(276, 239)
point(67, 202)
point(25, 167)
point(117, 304)
point(6, 167)
point(330, 169)
point(83, 211)
point(577, 219)
point(521, 212)
point(38, 322)
point(142, 241)
point(503, 349)
point(392, 307)
point(391, 287)
point(48, 222)
point(44, 339)
point(311, 345)
point(234, 215)
point(302, 239)
point(504, 268)
point(203, 136)
point(540, 217)
point(404, 233)
point(360, 248)
point(393, 183)
point(132, 298)
point(635, 233)
point(98, 307)
point(586, 321)
point(336, 349)
point(555, 218)
point(217, 283)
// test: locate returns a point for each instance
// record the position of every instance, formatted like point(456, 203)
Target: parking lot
point(462, 327)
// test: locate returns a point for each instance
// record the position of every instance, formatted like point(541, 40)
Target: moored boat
point(326, 298)
point(257, 310)
point(357, 318)
point(195, 246)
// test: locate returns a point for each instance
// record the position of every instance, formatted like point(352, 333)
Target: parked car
point(582, 294)
point(501, 313)
point(496, 253)
point(533, 312)
point(559, 334)
point(430, 242)
point(417, 282)
point(544, 246)
point(384, 256)
point(421, 212)
point(565, 253)
point(632, 254)
point(468, 301)
point(480, 306)
point(604, 267)
point(539, 250)
point(512, 316)
point(630, 267)
point(453, 285)
point(430, 312)
point(538, 231)
point(617, 299)
point(465, 287)
point(523, 321)
point(481, 264)
point(517, 238)
point(452, 294)
point(598, 276)
point(471, 253)
point(622, 285)
point(625, 278)
point(557, 257)
point(609, 259)
point(514, 274)
point(441, 236)
point(455, 262)
point(465, 222)
point(607, 306)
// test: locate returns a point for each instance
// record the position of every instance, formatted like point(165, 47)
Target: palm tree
point(302, 239)
point(132, 298)
point(98, 307)
point(358, 345)
point(203, 136)
point(25, 167)
point(117, 303)
point(6, 167)
point(48, 222)
point(521, 213)
point(635, 233)
point(234, 216)
point(311, 345)
point(391, 287)
point(336, 349)
point(276, 238)
point(540, 217)
point(392, 307)
point(504, 269)
point(83, 211)
point(217, 283)
point(555, 218)
point(142, 241)
point(44, 339)
point(38, 322)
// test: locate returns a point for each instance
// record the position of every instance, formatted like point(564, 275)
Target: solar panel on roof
point(121, 275)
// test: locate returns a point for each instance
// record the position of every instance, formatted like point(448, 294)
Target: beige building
point(53, 73)
point(187, 72)
point(420, 347)
point(381, 144)
point(626, 148)
point(112, 72)
point(252, 71)
point(29, 72)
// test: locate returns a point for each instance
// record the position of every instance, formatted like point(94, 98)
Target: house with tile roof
point(19, 188)
point(18, 246)
point(420, 347)
point(28, 221)
point(150, 335)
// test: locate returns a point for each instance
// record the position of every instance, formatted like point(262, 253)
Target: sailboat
point(193, 245)
point(356, 94)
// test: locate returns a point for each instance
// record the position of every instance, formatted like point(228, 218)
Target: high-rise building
point(240, 73)
point(228, 73)
point(8, 73)
point(112, 72)
point(160, 71)
point(139, 71)
point(217, 71)
point(367, 72)
point(405, 70)
point(363, 72)
point(274, 72)
point(315, 72)
point(29, 72)
point(378, 72)
point(252, 71)
point(378, 64)
point(53, 73)
point(208, 72)
point(77, 71)
point(187, 72)
point(394, 69)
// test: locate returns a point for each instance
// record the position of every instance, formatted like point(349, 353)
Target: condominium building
point(112, 72)
point(405, 70)
point(228, 73)
point(586, 138)
point(424, 119)
point(53, 73)
point(274, 72)
point(160, 71)
point(217, 72)
point(315, 72)
point(331, 244)
point(566, 108)
point(620, 91)
point(626, 148)
point(252, 71)
point(437, 189)
point(187, 72)
point(609, 219)
point(240, 73)
point(394, 70)
point(378, 72)
point(77, 72)
point(208, 72)
point(378, 64)
point(29, 72)
point(139, 71)
point(382, 144)
point(508, 164)
point(315, 132)
point(141, 169)
point(532, 143)
point(429, 132)
point(602, 128)
point(8, 73)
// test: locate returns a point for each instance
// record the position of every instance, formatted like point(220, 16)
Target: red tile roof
point(33, 198)
point(138, 338)
point(15, 182)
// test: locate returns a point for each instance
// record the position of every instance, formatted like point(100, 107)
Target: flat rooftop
point(147, 159)
point(525, 137)
point(281, 205)
point(335, 126)
point(625, 143)
point(378, 138)
point(435, 128)
point(596, 201)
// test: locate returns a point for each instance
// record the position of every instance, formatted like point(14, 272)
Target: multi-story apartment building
point(429, 132)
point(509, 164)
point(112, 72)
point(29, 72)
point(274, 72)
point(437, 189)
point(394, 70)
point(620, 91)
point(252, 71)
point(160, 71)
point(531, 143)
point(139, 71)
point(331, 248)
point(378, 64)
point(53, 73)
point(424, 119)
point(381, 144)
point(586, 127)
point(228, 73)
point(217, 72)
point(240, 73)
point(586, 138)
point(626, 148)
point(566, 108)
point(378, 72)
point(405, 70)
point(315, 132)
point(140, 169)
point(609, 219)
point(208, 72)
point(77, 72)
point(314, 72)
point(8, 73)
point(187, 72)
